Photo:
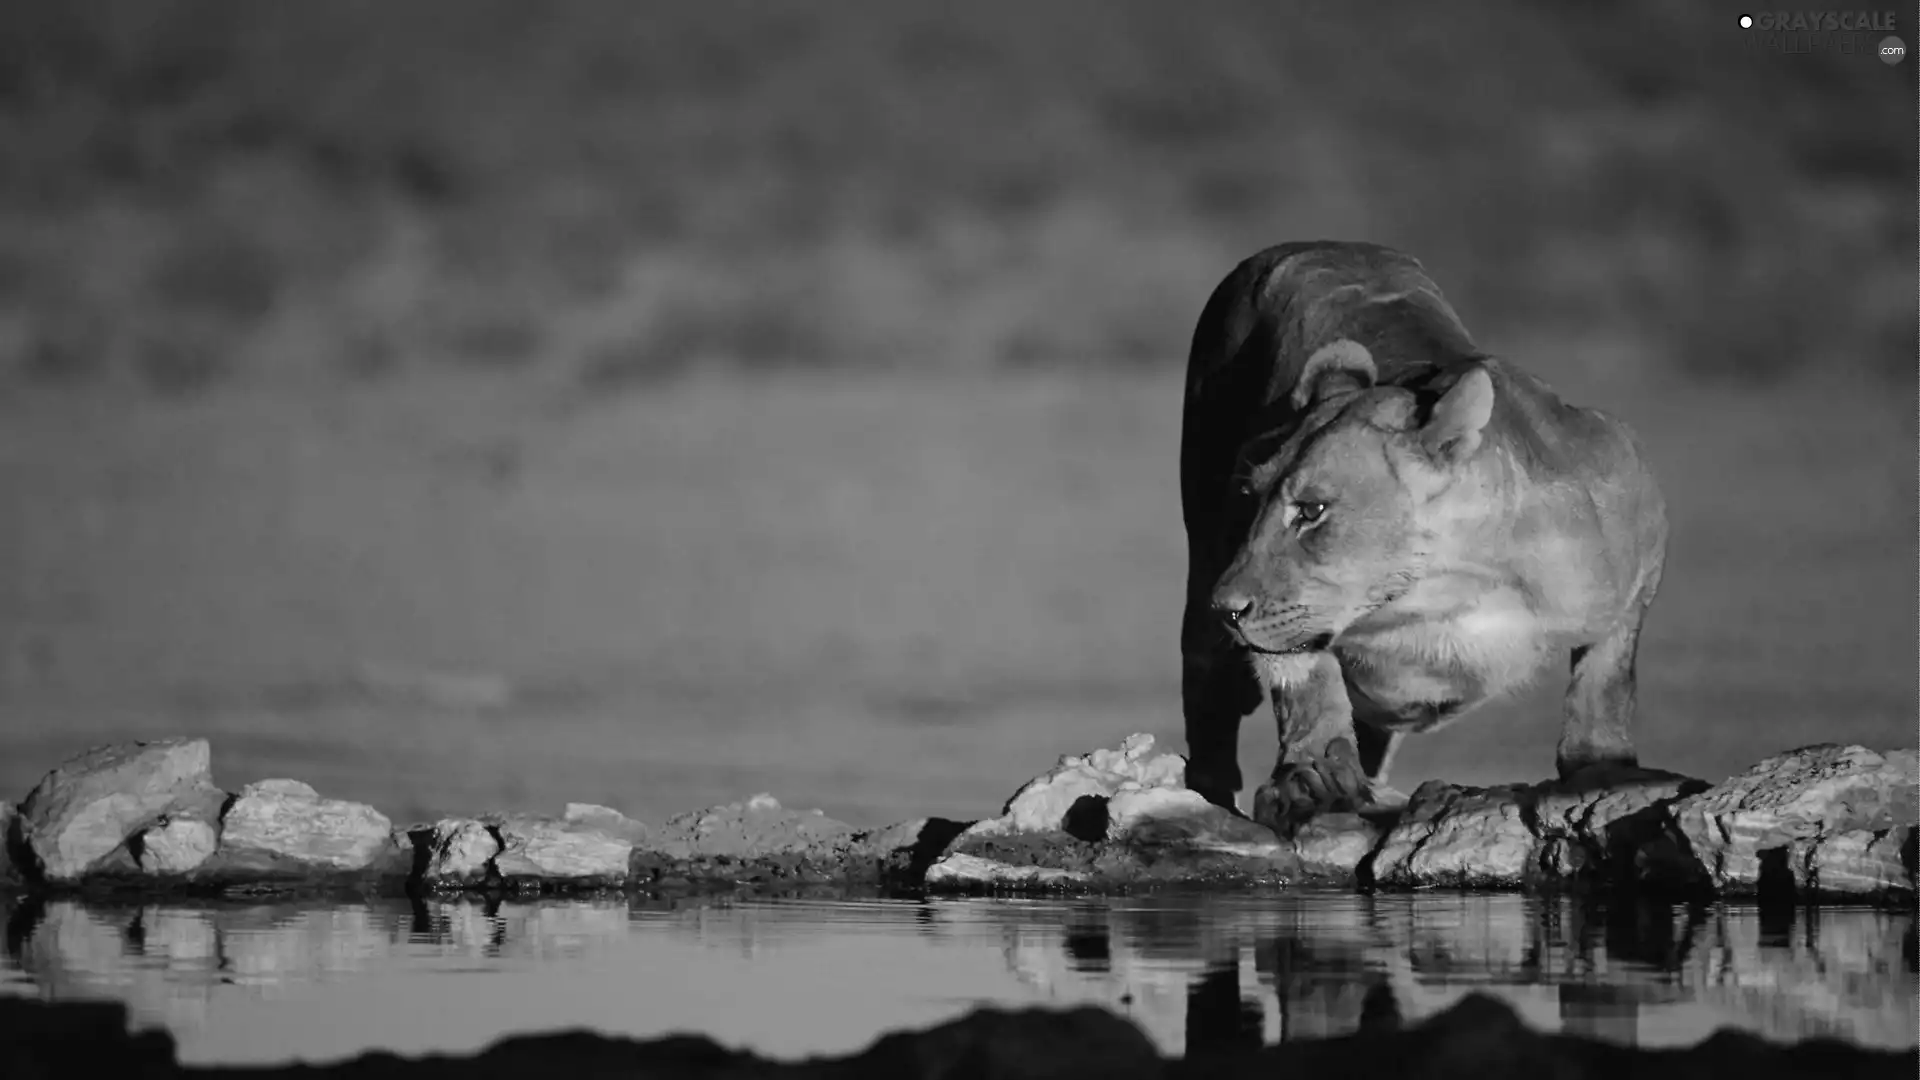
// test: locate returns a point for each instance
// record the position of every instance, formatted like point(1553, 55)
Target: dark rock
point(82, 814)
point(1084, 1041)
point(79, 1038)
point(1823, 821)
point(1479, 1038)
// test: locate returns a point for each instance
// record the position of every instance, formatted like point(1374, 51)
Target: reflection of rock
point(84, 811)
point(1505, 837)
point(1824, 820)
point(284, 823)
point(175, 845)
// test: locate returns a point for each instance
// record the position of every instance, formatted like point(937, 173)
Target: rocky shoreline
point(1823, 822)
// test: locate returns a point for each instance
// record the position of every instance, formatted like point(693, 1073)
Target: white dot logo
point(1746, 22)
point(1892, 50)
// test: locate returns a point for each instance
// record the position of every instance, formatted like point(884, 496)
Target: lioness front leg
point(1218, 689)
point(1319, 770)
point(1598, 727)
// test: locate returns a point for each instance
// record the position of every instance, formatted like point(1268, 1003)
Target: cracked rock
point(82, 813)
point(287, 822)
point(1821, 821)
point(538, 850)
point(1519, 834)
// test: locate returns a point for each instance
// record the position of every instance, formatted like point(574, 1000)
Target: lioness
point(1387, 526)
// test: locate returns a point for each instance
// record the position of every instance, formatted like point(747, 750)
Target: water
point(270, 983)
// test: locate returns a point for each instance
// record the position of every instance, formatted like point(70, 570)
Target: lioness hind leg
point(1377, 747)
point(1218, 689)
point(1598, 726)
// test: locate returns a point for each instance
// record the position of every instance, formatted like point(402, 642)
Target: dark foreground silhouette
point(1478, 1039)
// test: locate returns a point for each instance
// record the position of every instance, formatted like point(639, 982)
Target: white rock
point(974, 870)
point(559, 852)
point(288, 819)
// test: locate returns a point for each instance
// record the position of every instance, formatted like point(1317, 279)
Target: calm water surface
point(278, 982)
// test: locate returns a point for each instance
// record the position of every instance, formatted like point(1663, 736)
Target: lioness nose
point(1232, 606)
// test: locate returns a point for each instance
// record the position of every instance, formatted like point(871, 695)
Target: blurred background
point(468, 404)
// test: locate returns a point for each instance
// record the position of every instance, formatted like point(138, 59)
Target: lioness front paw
point(1331, 783)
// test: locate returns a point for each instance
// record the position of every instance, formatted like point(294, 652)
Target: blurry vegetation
point(207, 188)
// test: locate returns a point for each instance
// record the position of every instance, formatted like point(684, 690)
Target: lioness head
point(1350, 502)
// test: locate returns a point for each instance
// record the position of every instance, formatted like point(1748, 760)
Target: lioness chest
point(1415, 671)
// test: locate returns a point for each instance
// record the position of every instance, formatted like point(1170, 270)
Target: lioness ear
point(1452, 430)
point(1341, 365)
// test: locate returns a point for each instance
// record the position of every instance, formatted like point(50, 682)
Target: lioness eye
point(1309, 512)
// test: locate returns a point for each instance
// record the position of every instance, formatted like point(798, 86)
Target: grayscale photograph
point(882, 538)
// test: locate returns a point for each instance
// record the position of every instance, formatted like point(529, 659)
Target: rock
point(538, 851)
point(84, 811)
point(286, 823)
point(1518, 835)
point(1460, 837)
point(755, 841)
point(460, 852)
point(1331, 848)
point(175, 845)
point(1822, 821)
point(900, 854)
point(973, 871)
point(1045, 801)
